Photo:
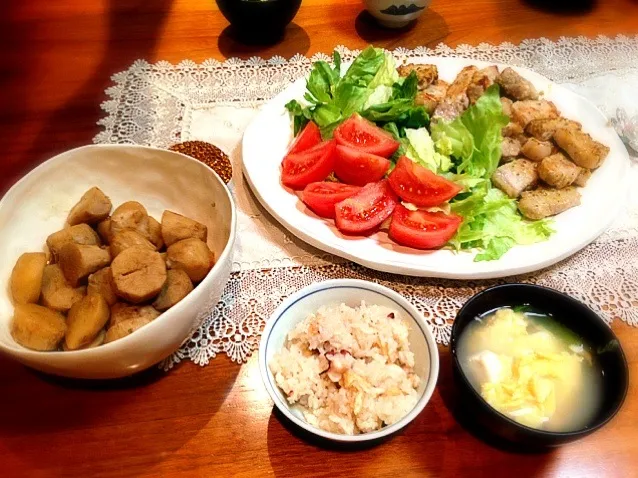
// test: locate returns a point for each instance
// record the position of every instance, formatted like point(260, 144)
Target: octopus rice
point(350, 370)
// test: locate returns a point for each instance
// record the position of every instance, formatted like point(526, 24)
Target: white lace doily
point(161, 104)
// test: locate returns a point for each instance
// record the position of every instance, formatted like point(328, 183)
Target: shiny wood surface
point(56, 60)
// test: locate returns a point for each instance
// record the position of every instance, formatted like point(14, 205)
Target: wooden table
point(56, 60)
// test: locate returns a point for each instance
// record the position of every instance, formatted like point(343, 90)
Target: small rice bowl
point(349, 370)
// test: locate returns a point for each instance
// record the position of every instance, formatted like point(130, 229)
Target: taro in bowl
point(535, 366)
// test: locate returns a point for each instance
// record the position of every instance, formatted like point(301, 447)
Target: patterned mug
point(396, 13)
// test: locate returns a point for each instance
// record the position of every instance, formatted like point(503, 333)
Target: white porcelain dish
point(267, 138)
point(396, 13)
point(351, 292)
point(39, 204)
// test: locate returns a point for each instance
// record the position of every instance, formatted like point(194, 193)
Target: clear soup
point(532, 369)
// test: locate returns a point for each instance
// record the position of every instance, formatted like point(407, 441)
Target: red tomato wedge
point(308, 137)
point(309, 166)
point(422, 229)
point(321, 197)
point(353, 166)
point(420, 186)
point(358, 133)
point(366, 210)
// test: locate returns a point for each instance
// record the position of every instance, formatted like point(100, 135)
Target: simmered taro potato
point(57, 293)
point(78, 234)
point(138, 274)
point(121, 312)
point(104, 230)
point(192, 256)
point(97, 341)
point(122, 329)
point(77, 261)
point(128, 238)
point(101, 282)
point(176, 287)
point(176, 227)
point(94, 206)
point(155, 233)
point(85, 321)
point(37, 327)
point(26, 277)
point(130, 215)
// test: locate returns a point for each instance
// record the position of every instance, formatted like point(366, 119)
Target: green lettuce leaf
point(492, 223)
point(474, 138)
point(420, 149)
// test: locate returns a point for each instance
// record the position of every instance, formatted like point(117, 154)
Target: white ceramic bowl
point(396, 13)
point(351, 292)
point(39, 204)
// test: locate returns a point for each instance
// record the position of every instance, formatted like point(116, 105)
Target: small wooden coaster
point(209, 154)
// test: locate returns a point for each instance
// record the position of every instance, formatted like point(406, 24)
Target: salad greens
point(466, 150)
point(491, 220)
point(371, 87)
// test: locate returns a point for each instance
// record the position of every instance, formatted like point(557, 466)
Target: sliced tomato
point(353, 166)
point(321, 197)
point(422, 229)
point(308, 137)
point(309, 166)
point(357, 132)
point(366, 210)
point(420, 186)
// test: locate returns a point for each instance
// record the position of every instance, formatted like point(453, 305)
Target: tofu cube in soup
point(130, 215)
point(125, 328)
point(192, 256)
point(26, 277)
point(94, 206)
point(523, 112)
point(121, 312)
point(515, 86)
point(138, 274)
point(101, 282)
point(128, 238)
point(37, 327)
point(545, 202)
point(558, 171)
point(177, 286)
point(86, 319)
point(77, 261)
point(176, 227)
point(78, 234)
point(57, 293)
point(515, 177)
point(536, 150)
point(582, 148)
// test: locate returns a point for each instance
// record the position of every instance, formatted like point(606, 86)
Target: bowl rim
point(122, 343)
point(401, 302)
point(457, 331)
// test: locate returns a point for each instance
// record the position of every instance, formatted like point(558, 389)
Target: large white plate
point(267, 137)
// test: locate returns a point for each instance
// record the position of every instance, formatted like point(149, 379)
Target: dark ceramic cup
point(259, 19)
point(477, 414)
